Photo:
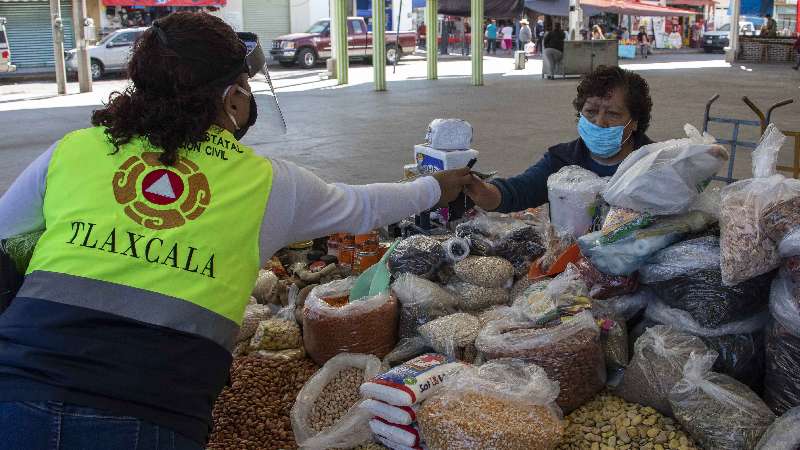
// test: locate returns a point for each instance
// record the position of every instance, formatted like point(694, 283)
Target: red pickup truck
point(313, 46)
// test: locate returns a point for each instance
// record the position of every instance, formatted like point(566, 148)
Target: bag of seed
point(332, 324)
point(406, 349)
point(718, 411)
point(418, 255)
point(493, 234)
point(782, 377)
point(564, 295)
point(504, 404)
point(687, 276)
point(573, 194)
point(421, 301)
point(740, 345)
point(474, 298)
point(453, 335)
point(657, 364)
point(624, 307)
point(568, 350)
point(604, 286)
point(485, 271)
point(783, 434)
point(327, 411)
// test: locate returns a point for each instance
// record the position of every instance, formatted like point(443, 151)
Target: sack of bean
point(264, 289)
point(557, 242)
point(493, 234)
point(687, 276)
point(718, 411)
point(573, 193)
point(327, 412)
point(253, 315)
point(421, 301)
point(565, 295)
point(625, 307)
point(453, 335)
point(624, 255)
point(486, 271)
point(405, 350)
point(657, 364)
point(614, 340)
point(276, 334)
point(681, 167)
point(411, 382)
point(504, 405)
point(604, 286)
point(332, 324)
point(418, 255)
point(474, 298)
point(740, 345)
point(747, 250)
point(782, 377)
point(496, 313)
point(401, 415)
point(784, 433)
point(570, 353)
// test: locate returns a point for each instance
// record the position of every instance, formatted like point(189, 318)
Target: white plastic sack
point(353, 428)
point(449, 134)
point(784, 433)
point(666, 177)
point(573, 193)
point(407, 435)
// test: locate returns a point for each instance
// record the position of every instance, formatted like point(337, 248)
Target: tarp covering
point(631, 8)
point(758, 8)
point(679, 3)
point(164, 2)
point(549, 7)
point(498, 9)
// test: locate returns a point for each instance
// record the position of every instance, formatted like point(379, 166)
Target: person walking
point(508, 37)
point(554, 48)
point(491, 38)
point(597, 33)
point(797, 51)
point(525, 35)
point(539, 34)
point(644, 42)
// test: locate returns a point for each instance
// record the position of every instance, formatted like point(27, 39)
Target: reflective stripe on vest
point(171, 246)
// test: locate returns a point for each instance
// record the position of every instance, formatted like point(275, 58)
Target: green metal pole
point(431, 49)
point(340, 34)
point(477, 42)
point(379, 43)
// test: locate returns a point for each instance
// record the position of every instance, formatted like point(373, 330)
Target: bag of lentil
point(569, 351)
point(718, 411)
point(421, 301)
point(784, 433)
point(332, 324)
point(503, 404)
point(782, 377)
point(657, 364)
point(327, 411)
point(687, 276)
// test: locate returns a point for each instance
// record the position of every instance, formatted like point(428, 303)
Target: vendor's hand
point(485, 195)
point(451, 182)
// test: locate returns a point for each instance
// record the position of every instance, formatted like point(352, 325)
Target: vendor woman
point(155, 222)
point(613, 107)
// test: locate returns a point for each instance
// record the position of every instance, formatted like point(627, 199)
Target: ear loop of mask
point(623, 133)
point(225, 93)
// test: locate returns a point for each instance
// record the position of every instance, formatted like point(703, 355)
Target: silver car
point(111, 54)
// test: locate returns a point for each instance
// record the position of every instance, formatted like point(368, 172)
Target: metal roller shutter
point(30, 34)
point(266, 18)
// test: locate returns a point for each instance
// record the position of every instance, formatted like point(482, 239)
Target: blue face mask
point(602, 142)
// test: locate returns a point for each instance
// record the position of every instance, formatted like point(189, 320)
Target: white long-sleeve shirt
point(301, 205)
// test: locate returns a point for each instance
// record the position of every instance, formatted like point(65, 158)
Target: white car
point(5, 50)
point(111, 54)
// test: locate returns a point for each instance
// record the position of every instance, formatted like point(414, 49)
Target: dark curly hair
point(603, 81)
point(179, 69)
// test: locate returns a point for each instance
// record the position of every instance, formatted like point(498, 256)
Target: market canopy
point(491, 8)
point(631, 8)
point(164, 2)
point(549, 7)
point(691, 3)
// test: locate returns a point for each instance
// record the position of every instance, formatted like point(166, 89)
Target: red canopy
point(634, 8)
point(691, 2)
point(164, 2)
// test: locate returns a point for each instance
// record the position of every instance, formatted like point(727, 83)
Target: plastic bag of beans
point(570, 353)
point(503, 404)
point(332, 324)
point(783, 434)
point(782, 377)
point(421, 301)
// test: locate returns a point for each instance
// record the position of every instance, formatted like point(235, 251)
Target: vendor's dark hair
point(179, 69)
point(603, 81)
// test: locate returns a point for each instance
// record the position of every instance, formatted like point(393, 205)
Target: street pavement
point(356, 135)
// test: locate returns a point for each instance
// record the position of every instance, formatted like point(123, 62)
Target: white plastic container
point(429, 159)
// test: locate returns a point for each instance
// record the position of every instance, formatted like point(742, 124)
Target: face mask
point(239, 132)
point(602, 142)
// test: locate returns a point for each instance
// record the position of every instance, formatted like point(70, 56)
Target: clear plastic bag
point(453, 335)
point(474, 298)
point(573, 193)
point(407, 349)
point(782, 377)
point(625, 255)
point(546, 301)
point(492, 234)
point(657, 365)
point(681, 167)
point(449, 134)
point(614, 340)
point(504, 404)
point(485, 271)
point(718, 411)
point(421, 301)
point(353, 427)
point(781, 221)
point(333, 325)
point(603, 286)
point(570, 352)
point(418, 255)
point(625, 307)
point(556, 243)
point(783, 434)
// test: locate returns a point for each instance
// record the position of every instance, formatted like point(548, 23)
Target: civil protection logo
point(161, 197)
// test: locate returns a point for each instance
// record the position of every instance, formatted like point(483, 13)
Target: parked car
point(719, 39)
point(109, 55)
point(5, 50)
point(309, 48)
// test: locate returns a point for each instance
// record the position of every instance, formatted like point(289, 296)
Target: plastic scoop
point(374, 280)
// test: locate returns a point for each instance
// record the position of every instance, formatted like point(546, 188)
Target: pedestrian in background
point(597, 33)
point(539, 30)
point(554, 48)
point(508, 36)
point(797, 50)
point(491, 38)
point(525, 34)
point(644, 42)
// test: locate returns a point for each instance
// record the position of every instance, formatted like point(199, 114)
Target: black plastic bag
point(10, 279)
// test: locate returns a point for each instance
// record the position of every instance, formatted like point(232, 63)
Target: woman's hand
point(485, 195)
point(452, 183)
